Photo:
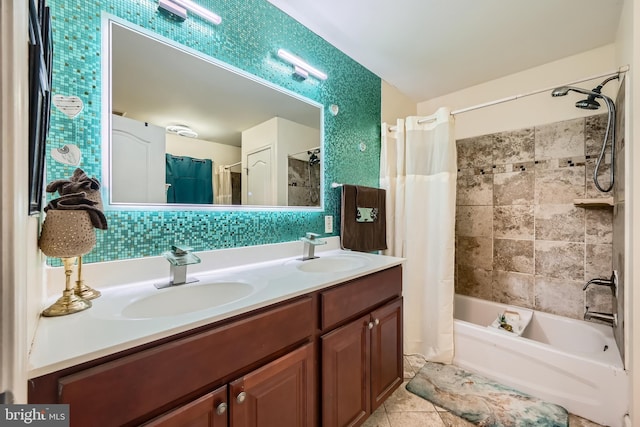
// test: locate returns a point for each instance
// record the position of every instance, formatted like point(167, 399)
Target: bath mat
point(482, 401)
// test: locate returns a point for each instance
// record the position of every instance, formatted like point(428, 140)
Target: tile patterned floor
point(404, 409)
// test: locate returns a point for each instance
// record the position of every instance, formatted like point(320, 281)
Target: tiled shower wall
point(520, 239)
point(618, 215)
point(304, 183)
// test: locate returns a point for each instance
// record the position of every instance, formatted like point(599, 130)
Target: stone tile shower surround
point(618, 216)
point(520, 239)
point(304, 183)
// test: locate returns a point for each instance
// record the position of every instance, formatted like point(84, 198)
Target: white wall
point(395, 104)
point(532, 110)
point(220, 154)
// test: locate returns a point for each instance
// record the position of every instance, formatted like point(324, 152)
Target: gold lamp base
point(84, 291)
point(68, 303)
point(81, 289)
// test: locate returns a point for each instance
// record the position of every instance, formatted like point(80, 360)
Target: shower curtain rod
point(232, 165)
point(303, 151)
point(620, 70)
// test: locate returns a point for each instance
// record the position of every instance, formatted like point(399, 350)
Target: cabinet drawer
point(130, 388)
point(343, 302)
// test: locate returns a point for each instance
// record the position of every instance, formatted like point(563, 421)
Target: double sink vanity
point(262, 339)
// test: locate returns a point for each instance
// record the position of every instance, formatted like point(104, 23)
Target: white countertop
point(104, 329)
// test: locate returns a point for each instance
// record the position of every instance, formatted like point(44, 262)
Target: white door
point(137, 162)
point(259, 178)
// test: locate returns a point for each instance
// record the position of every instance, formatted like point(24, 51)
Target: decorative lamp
point(67, 234)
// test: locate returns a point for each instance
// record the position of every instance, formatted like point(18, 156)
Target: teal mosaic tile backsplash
point(250, 34)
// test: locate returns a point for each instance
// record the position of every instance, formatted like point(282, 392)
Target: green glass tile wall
point(248, 38)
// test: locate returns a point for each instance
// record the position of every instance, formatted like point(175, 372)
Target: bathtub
point(572, 363)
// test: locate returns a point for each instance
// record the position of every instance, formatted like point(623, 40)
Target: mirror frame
point(108, 21)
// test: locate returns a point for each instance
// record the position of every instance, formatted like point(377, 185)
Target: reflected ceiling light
point(179, 8)
point(300, 67)
point(182, 130)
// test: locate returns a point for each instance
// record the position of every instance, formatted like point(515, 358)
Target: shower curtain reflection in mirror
point(190, 180)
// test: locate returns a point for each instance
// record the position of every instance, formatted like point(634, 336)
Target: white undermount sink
point(183, 299)
point(333, 264)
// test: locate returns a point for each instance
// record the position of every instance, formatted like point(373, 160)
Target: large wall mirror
point(183, 129)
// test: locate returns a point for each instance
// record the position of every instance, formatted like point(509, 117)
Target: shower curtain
point(223, 185)
point(418, 170)
point(190, 180)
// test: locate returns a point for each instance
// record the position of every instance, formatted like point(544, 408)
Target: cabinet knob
point(377, 322)
point(221, 409)
point(241, 397)
point(370, 325)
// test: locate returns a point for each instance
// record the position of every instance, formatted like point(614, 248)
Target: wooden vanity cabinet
point(279, 394)
point(144, 384)
point(328, 358)
point(362, 359)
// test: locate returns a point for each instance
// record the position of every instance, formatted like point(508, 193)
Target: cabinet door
point(386, 352)
point(208, 411)
point(345, 374)
point(279, 394)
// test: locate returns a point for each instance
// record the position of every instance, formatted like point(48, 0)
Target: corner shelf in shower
point(603, 202)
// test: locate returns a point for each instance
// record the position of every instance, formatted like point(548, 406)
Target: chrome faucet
point(612, 283)
point(310, 242)
point(609, 318)
point(179, 257)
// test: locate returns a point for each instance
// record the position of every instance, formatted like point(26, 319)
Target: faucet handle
point(312, 236)
point(180, 250)
point(181, 255)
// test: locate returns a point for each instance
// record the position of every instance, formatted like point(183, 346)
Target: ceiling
point(428, 48)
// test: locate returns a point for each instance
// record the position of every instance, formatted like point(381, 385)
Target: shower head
point(563, 90)
point(313, 157)
point(560, 91)
point(588, 104)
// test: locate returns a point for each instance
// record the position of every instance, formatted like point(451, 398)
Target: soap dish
point(513, 320)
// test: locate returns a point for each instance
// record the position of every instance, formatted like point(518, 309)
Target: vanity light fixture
point(182, 130)
point(173, 10)
point(179, 8)
point(300, 67)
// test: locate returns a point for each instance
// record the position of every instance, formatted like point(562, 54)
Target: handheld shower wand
point(591, 104)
